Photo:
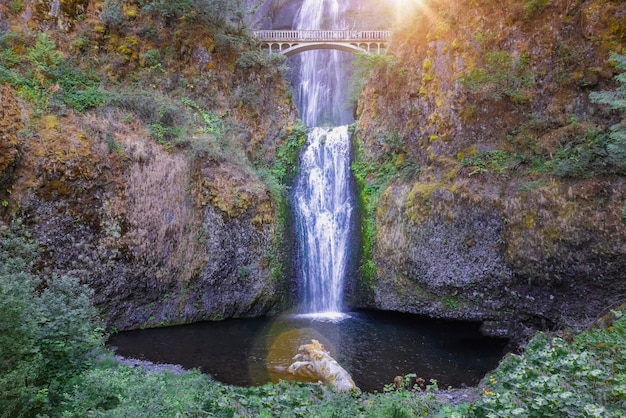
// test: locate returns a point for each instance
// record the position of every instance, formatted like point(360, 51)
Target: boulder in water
point(313, 361)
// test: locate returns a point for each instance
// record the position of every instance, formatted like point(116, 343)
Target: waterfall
point(322, 92)
point(323, 207)
point(323, 200)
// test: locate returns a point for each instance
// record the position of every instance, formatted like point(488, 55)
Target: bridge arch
point(296, 49)
point(291, 42)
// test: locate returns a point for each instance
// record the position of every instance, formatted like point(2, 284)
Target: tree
point(48, 329)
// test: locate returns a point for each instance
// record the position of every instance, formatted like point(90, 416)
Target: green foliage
point(165, 116)
point(584, 152)
point(79, 90)
point(531, 7)
point(373, 176)
point(48, 330)
point(554, 378)
point(212, 123)
point(616, 99)
point(15, 6)
point(115, 391)
point(285, 166)
point(496, 161)
point(501, 75)
point(68, 335)
point(217, 13)
point(20, 359)
point(272, 65)
point(531, 185)
point(43, 56)
point(47, 77)
point(112, 15)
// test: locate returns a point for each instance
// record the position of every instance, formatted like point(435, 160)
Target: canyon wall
point(507, 203)
point(162, 197)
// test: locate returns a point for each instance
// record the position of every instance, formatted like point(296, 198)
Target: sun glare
point(405, 8)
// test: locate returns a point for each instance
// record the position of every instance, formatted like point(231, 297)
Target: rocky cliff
point(506, 198)
point(139, 148)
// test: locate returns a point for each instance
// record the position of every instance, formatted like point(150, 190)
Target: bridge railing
point(322, 35)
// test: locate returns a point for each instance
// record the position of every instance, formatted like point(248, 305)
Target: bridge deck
point(323, 35)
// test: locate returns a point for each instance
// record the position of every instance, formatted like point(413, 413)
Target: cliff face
point(507, 205)
point(159, 194)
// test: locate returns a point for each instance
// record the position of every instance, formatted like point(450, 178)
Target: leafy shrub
point(272, 65)
point(501, 75)
point(363, 65)
point(285, 167)
point(165, 117)
point(47, 336)
point(616, 99)
point(48, 76)
point(556, 378)
point(217, 13)
point(212, 123)
point(112, 15)
point(496, 161)
point(534, 6)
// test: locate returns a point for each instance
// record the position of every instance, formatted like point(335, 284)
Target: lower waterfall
point(324, 204)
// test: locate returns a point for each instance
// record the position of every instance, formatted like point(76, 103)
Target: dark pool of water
point(373, 347)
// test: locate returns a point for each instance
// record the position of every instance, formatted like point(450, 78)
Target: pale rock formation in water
point(313, 361)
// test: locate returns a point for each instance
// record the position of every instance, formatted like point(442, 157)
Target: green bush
point(373, 175)
point(534, 6)
point(496, 161)
point(112, 15)
point(616, 99)
point(48, 329)
point(286, 163)
point(362, 66)
point(117, 391)
point(42, 76)
point(553, 378)
point(217, 13)
point(165, 117)
point(269, 64)
point(501, 75)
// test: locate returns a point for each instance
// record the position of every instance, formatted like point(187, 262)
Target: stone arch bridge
point(291, 42)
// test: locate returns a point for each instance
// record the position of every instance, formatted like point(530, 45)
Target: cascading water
point(323, 200)
point(323, 204)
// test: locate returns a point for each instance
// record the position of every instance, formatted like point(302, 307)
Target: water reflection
point(372, 347)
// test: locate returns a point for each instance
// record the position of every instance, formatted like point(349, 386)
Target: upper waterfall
point(323, 75)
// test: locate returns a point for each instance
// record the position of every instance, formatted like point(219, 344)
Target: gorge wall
point(507, 200)
point(160, 197)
